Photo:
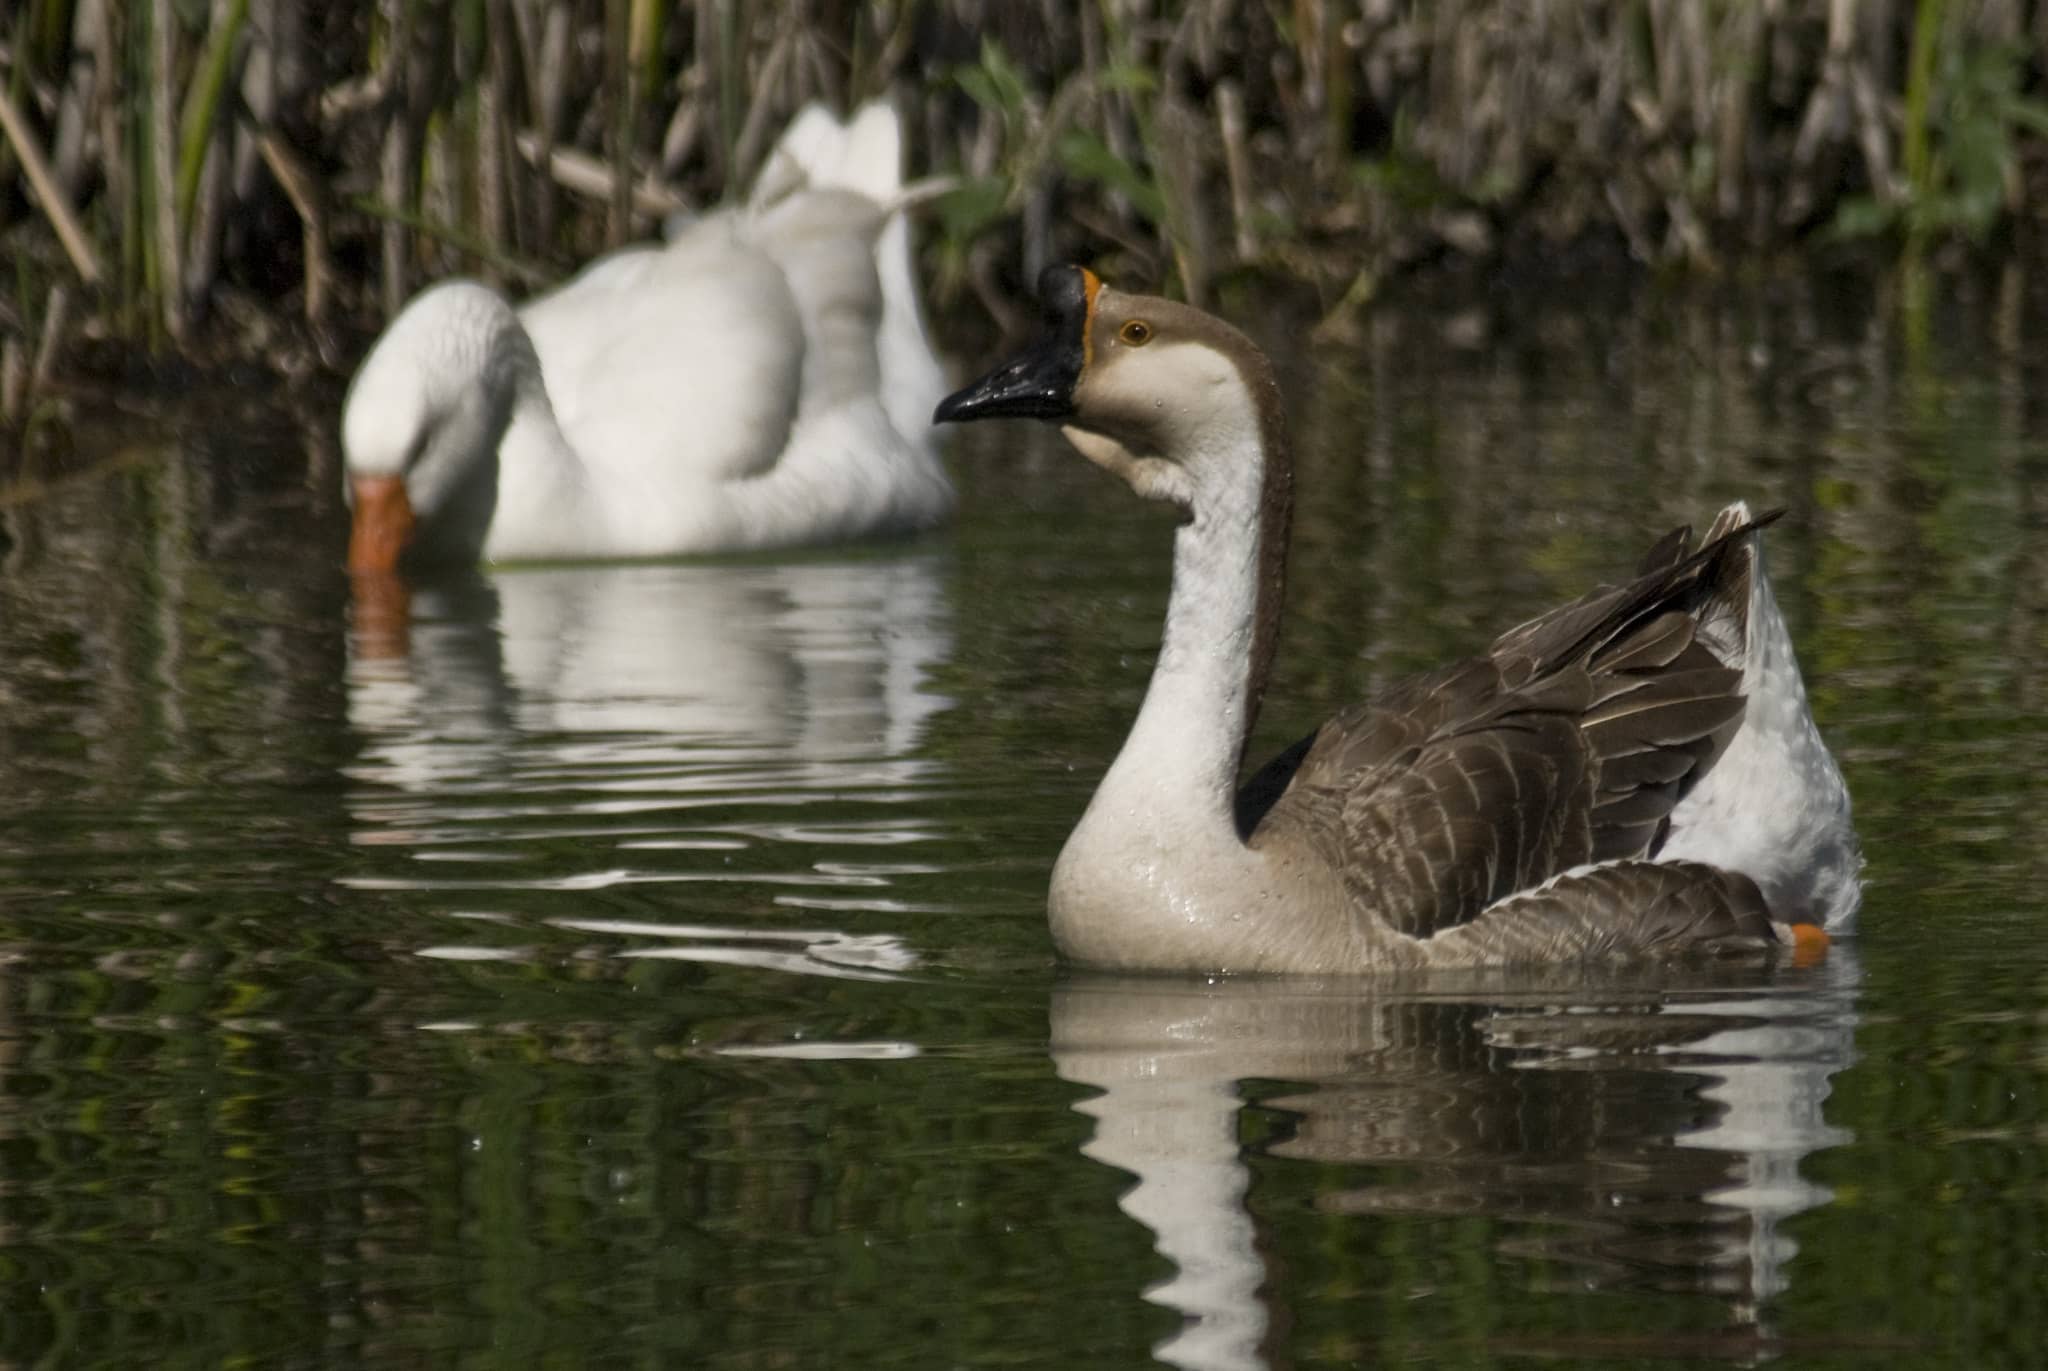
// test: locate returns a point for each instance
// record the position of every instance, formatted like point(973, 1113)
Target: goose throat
point(1224, 608)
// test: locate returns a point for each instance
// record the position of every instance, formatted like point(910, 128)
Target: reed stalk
point(309, 200)
point(1915, 155)
point(620, 95)
point(164, 244)
point(202, 104)
point(77, 246)
point(13, 382)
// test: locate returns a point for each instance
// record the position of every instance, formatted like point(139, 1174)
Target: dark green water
point(647, 966)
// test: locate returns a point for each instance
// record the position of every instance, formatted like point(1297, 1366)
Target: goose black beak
point(1038, 383)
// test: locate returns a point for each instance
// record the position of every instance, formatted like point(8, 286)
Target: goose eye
point(1136, 332)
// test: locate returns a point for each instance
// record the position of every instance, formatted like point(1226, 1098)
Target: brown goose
point(1634, 773)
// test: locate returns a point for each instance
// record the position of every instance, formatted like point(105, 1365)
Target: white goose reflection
point(1561, 1108)
point(652, 712)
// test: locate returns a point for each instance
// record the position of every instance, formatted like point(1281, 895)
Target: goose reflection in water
point(681, 723)
point(1636, 1136)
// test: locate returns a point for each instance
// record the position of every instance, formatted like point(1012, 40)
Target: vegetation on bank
point(197, 173)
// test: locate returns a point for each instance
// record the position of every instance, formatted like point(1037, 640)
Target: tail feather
point(1724, 620)
point(818, 152)
point(913, 382)
point(864, 155)
point(872, 163)
point(1774, 806)
point(809, 148)
point(871, 160)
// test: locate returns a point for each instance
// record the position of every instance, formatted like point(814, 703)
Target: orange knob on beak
point(1809, 944)
point(383, 523)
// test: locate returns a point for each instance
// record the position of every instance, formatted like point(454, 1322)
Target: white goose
point(1634, 773)
point(760, 380)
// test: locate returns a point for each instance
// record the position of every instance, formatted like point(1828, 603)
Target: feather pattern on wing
point(1566, 746)
point(1626, 908)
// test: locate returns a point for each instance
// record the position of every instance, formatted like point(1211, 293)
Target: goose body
point(1634, 773)
point(759, 380)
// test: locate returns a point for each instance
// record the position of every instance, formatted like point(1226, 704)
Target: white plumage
point(760, 380)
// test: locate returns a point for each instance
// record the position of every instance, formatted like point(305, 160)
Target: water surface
point(647, 965)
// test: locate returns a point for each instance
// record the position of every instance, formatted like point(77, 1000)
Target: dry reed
point(325, 159)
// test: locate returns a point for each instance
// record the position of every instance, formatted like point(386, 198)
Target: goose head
point(1179, 404)
point(422, 425)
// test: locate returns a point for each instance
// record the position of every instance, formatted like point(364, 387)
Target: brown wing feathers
point(1628, 907)
point(1671, 722)
point(1472, 820)
point(1569, 742)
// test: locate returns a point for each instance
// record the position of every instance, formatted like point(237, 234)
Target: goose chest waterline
point(1635, 773)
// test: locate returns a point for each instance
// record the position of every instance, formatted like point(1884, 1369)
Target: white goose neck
point(1158, 856)
point(544, 509)
point(1185, 746)
point(1157, 862)
point(1179, 767)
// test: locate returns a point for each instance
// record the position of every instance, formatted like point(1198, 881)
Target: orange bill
point(383, 523)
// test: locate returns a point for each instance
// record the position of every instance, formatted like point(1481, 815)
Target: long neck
point(1222, 622)
point(543, 503)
